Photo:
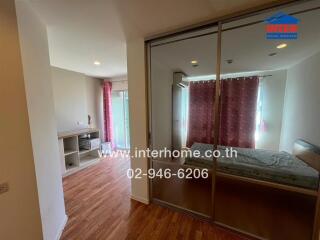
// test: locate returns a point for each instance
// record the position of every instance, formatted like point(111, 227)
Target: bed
point(278, 167)
point(266, 182)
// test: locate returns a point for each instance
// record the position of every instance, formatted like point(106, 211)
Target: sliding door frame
point(189, 29)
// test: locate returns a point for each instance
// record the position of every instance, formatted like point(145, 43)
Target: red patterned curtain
point(201, 103)
point(237, 112)
point(107, 112)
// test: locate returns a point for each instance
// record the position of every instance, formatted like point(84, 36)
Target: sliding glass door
point(263, 76)
point(120, 118)
point(182, 115)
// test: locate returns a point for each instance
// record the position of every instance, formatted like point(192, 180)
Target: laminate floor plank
point(99, 207)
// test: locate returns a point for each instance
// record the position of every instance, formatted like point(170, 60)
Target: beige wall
point(95, 102)
point(301, 116)
point(161, 88)
point(138, 114)
point(76, 96)
point(37, 75)
point(19, 208)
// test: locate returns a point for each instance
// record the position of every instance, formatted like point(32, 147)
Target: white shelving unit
point(72, 157)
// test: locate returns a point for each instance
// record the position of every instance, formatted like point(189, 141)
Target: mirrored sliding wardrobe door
point(267, 64)
point(181, 97)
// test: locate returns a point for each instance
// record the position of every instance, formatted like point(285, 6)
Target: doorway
point(120, 119)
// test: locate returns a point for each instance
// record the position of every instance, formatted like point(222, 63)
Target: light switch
point(4, 187)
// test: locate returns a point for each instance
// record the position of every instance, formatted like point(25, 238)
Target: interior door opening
point(120, 119)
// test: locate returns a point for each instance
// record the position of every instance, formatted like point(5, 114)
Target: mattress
point(278, 167)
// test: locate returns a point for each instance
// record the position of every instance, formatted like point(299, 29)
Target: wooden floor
point(98, 205)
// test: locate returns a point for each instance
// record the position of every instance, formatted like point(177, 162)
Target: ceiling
point(83, 31)
point(247, 47)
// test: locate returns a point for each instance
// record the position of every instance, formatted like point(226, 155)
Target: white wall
point(76, 96)
point(272, 90)
point(37, 74)
point(19, 207)
point(301, 117)
point(138, 114)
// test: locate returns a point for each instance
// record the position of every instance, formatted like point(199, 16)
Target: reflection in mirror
point(269, 99)
point(182, 96)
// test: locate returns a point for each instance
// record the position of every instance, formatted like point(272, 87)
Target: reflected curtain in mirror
point(201, 102)
point(237, 112)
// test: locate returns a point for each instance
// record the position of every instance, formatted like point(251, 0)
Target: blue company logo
point(282, 26)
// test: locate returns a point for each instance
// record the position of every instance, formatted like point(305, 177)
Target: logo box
point(282, 26)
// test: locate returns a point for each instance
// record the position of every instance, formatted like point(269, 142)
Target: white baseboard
point(64, 223)
point(140, 199)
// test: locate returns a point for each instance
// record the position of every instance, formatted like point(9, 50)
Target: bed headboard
point(308, 153)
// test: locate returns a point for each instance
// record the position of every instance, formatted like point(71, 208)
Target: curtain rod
point(222, 78)
point(264, 76)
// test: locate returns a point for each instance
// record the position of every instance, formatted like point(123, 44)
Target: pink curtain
point(238, 111)
point(237, 116)
point(201, 103)
point(107, 112)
